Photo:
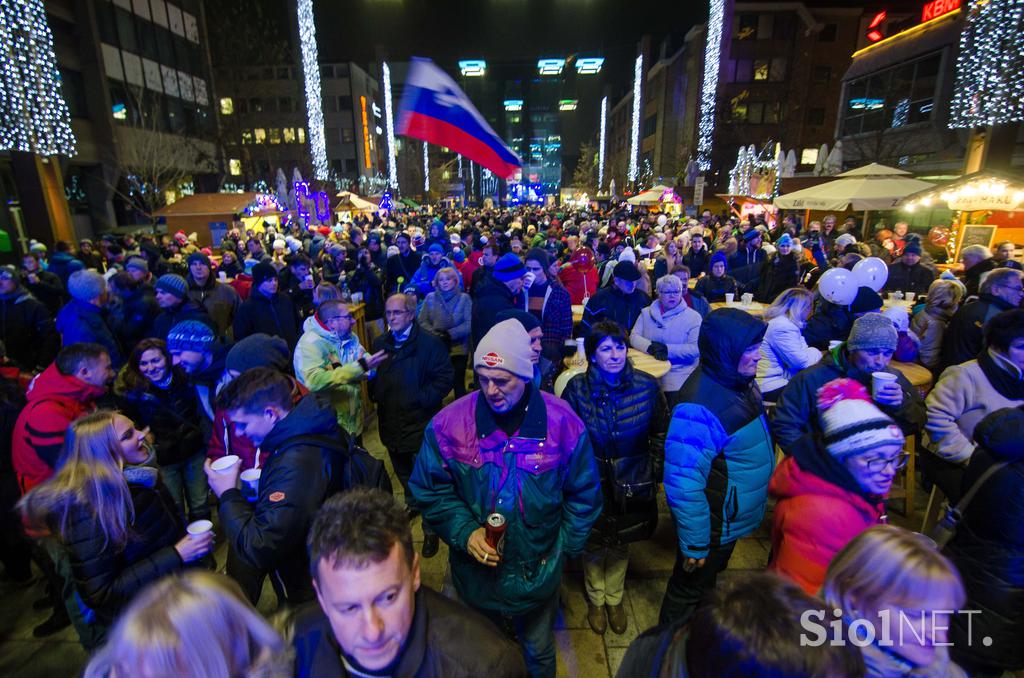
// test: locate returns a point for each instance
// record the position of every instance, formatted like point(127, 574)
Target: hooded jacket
point(491, 297)
point(325, 363)
point(306, 452)
point(797, 421)
point(678, 329)
point(965, 335)
point(275, 315)
point(988, 548)
point(80, 321)
point(815, 518)
point(220, 300)
point(423, 279)
point(27, 331)
point(718, 452)
point(542, 478)
point(188, 309)
point(54, 401)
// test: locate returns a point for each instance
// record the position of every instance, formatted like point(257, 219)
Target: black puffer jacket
point(172, 414)
point(965, 334)
point(186, 310)
point(108, 578)
point(276, 316)
point(366, 280)
point(27, 330)
point(409, 387)
point(626, 423)
point(988, 549)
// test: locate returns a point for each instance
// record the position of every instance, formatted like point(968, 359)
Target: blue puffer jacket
point(718, 453)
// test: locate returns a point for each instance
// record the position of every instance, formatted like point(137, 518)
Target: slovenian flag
point(435, 110)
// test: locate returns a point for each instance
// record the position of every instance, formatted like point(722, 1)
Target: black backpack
point(358, 467)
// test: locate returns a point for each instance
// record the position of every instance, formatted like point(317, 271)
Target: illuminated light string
point(34, 116)
point(709, 88)
point(390, 122)
point(311, 76)
point(601, 142)
point(634, 132)
point(989, 89)
point(426, 169)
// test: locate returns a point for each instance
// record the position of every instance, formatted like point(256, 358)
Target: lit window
point(260, 135)
point(246, 137)
point(120, 112)
point(274, 134)
point(289, 135)
point(760, 70)
point(513, 104)
point(473, 67)
point(589, 65)
point(567, 105)
point(227, 106)
point(302, 135)
point(809, 156)
point(550, 66)
point(235, 167)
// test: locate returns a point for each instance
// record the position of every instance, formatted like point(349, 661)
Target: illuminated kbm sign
point(937, 8)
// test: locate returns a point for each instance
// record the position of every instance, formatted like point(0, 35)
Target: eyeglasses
point(879, 464)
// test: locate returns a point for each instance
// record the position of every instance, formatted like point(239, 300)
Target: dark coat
point(778, 274)
point(62, 264)
point(108, 578)
point(797, 420)
point(301, 298)
point(965, 334)
point(132, 318)
point(275, 315)
point(172, 414)
point(830, 322)
point(626, 423)
point(303, 468)
point(698, 262)
point(367, 281)
point(80, 321)
point(446, 640)
point(904, 278)
point(27, 331)
point(409, 387)
point(988, 549)
point(401, 267)
point(611, 304)
point(49, 289)
point(491, 298)
point(186, 310)
point(972, 276)
point(714, 289)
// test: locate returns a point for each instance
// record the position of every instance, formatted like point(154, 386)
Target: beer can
point(495, 532)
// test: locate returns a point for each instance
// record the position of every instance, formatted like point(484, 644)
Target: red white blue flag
point(435, 110)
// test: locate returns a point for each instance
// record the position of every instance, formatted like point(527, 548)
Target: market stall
point(349, 205)
point(210, 215)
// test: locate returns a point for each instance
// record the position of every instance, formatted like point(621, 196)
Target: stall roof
point(202, 204)
point(984, 190)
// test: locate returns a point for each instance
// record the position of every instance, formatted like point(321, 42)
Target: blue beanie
point(716, 257)
point(190, 335)
point(786, 239)
point(435, 247)
point(508, 267)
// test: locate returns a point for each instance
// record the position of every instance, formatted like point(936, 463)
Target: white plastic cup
point(879, 380)
point(226, 463)
point(910, 296)
point(748, 299)
point(222, 275)
point(834, 343)
point(251, 482)
point(729, 297)
point(199, 528)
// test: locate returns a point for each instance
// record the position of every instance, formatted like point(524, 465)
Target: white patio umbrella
point(872, 187)
point(649, 197)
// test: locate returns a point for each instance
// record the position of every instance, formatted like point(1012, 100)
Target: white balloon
point(871, 272)
point(662, 220)
point(838, 286)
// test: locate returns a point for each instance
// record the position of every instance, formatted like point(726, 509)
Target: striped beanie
point(851, 421)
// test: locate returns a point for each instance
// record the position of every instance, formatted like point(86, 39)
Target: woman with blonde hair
point(447, 312)
point(904, 590)
point(930, 323)
point(198, 624)
point(112, 514)
point(784, 351)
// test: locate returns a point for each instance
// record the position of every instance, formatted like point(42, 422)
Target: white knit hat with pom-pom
point(852, 422)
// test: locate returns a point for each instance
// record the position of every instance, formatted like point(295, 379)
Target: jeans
point(604, 573)
point(188, 478)
point(535, 633)
point(685, 589)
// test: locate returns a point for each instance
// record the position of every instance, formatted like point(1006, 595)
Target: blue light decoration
point(513, 104)
point(34, 116)
point(473, 68)
point(318, 198)
point(526, 193)
point(589, 65)
point(550, 66)
point(386, 203)
point(867, 104)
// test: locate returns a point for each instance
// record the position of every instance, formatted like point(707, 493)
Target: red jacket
point(813, 520)
point(54, 401)
point(580, 284)
point(471, 263)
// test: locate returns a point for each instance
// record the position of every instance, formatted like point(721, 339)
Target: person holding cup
point(873, 340)
point(110, 511)
point(717, 285)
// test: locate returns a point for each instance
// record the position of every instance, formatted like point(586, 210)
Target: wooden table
point(755, 308)
point(906, 481)
point(641, 361)
point(918, 375)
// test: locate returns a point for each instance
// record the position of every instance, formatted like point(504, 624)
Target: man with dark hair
point(297, 280)
point(622, 301)
point(305, 465)
point(374, 617)
point(752, 627)
point(176, 306)
point(27, 329)
point(401, 267)
point(219, 299)
point(485, 261)
point(267, 310)
point(908, 273)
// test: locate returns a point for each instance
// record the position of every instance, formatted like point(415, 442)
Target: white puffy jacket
point(784, 352)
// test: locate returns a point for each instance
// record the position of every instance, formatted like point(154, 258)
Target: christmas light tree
point(989, 88)
point(34, 117)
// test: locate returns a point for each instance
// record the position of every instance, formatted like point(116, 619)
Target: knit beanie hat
point(528, 320)
point(86, 285)
point(786, 239)
point(508, 267)
point(259, 350)
point(844, 240)
point(263, 272)
point(138, 263)
point(913, 247)
point(506, 346)
point(172, 284)
point(458, 255)
point(872, 331)
point(716, 257)
point(279, 245)
point(190, 335)
point(200, 257)
point(540, 256)
point(851, 421)
point(866, 300)
point(435, 247)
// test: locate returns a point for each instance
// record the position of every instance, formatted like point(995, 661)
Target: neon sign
point(937, 8)
point(366, 133)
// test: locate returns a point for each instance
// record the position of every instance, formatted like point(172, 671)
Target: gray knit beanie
point(872, 331)
point(506, 346)
point(172, 284)
point(86, 285)
point(138, 263)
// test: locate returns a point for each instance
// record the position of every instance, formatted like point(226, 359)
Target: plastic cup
point(910, 296)
point(879, 380)
point(729, 297)
point(225, 464)
point(222, 275)
point(251, 483)
point(199, 527)
point(748, 299)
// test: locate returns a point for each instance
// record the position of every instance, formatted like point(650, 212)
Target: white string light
point(634, 133)
point(426, 169)
point(390, 122)
point(34, 116)
point(600, 145)
point(989, 89)
point(311, 74)
point(709, 89)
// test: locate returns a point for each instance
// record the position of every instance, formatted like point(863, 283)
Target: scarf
point(1005, 377)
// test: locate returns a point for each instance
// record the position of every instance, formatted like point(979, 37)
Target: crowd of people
point(161, 398)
